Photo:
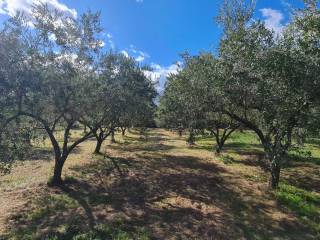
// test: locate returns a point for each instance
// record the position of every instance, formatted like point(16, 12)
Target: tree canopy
point(259, 80)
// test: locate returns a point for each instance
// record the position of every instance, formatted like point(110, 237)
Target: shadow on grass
point(44, 153)
point(144, 147)
point(314, 141)
point(241, 148)
point(156, 196)
point(304, 203)
point(300, 159)
point(39, 153)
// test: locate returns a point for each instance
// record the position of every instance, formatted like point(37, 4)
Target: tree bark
point(123, 131)
point(275, 176)
point(221, 138)
point(98, 146)
point(112, 140)
point(57, 174)
point(191, 138)
point(274, 156)
point(219, 148)
point(180, 132)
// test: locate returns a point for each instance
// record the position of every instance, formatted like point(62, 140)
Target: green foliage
point(102, 232)
point(226, 159)
point(58, 79)
point(304, 203)
point(15, 143)
point(251, 82)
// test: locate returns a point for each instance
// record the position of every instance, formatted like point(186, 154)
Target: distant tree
point(124, 97)
point(189, 101)
point(221, 127)
point(180, 107)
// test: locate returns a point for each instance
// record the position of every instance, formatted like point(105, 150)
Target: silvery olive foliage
point(259, 80)
point(55, 77)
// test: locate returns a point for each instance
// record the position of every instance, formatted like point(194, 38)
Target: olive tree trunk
point(192, 138)
point(112, 140)
point(98, 146)
point(57, 173)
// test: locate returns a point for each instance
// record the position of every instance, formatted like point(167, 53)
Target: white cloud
point(125, 53)
point(110, 40)
point(273, 19)
point(11, 7)
point(138, 55)
point(140, 58)
point(52, 37)
point(101, 43)
point(2, 7)
point(159, 74)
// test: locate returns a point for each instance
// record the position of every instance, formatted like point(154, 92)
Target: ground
point(155, 186)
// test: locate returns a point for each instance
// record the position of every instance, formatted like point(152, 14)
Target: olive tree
point(259, 87)
point(13, 79)
point(124, 97)
point(189, 101)
point(180, 106)
point(52, 89)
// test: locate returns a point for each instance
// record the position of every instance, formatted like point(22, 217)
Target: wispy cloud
point(125, 53)
point(273, 19)
point(110, 40)
point(11, 7)
point(160, 74)
point(137, 54)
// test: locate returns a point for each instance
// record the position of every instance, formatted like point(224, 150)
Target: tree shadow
point(38, 153)
point(297, 160)
point(313, 141)
point(137, 147)
point(175, 197)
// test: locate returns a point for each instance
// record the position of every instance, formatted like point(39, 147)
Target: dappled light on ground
point(154, 187)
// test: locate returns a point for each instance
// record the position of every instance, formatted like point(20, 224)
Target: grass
point(304, 203)
point(101, 232)
point(44, 209)
point(157, 187)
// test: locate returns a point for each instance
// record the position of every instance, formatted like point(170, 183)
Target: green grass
point(100, 232)
point(309, 153)
point(71, 227)
point(238, 141)
point(304, 203)
point(99, 190)
point(226, 159)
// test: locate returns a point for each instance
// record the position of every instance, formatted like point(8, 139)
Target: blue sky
point(155, 32)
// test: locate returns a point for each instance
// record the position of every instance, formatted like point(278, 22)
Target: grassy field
point(156, 187)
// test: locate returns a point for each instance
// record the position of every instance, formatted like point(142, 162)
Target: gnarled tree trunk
point(275, 176)
point(112, 140)
point(222, 138)
point(123, 131)
point(98, 146)
point(191, 139)
point(57, 174)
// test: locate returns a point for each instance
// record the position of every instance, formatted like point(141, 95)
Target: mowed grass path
point(156, 187)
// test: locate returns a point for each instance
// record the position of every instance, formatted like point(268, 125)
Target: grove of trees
point(54, 77)
point(259, 80)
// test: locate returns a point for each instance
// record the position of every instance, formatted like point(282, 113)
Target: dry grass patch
point(154, 187)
